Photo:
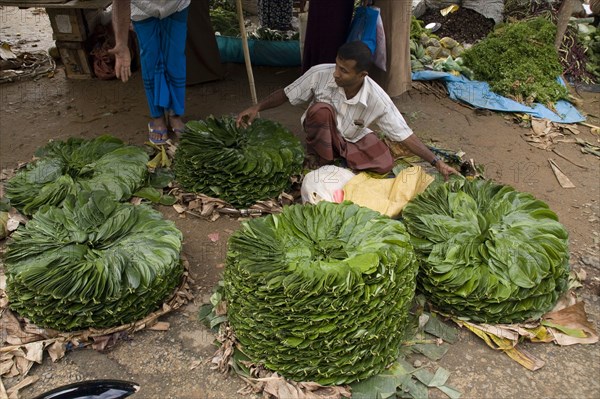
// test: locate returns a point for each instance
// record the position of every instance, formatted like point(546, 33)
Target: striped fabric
point(162, 55)
point(370, 107)
point(324, 140)
point(143, 9)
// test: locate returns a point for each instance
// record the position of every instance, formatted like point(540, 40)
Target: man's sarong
point(162, 55)
point(325, 141)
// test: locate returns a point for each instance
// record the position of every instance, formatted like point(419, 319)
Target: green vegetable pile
point(64, 168)
point(92, 263)
point(488, 253)
point(263, 33)
point(239, 165)
point(519, 61)
point(321, 292)
point(225, 21)
point(589, 37)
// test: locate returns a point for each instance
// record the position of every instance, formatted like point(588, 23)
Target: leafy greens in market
point(321, 292)
point(239, 165)
point(66, 168)
point(519, 61)
point(488, 252)
point(93, 262)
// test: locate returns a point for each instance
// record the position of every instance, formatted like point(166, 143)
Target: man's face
point(345, 74)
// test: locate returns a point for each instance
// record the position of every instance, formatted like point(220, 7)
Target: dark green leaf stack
point(321, 292)
point(488, 253)
point(92, 263)
point(64, 168)
point(240, 166)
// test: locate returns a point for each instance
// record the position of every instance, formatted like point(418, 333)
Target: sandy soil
point(172, 364)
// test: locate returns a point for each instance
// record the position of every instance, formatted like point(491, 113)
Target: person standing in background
point(276, 14)
point(161, 29)
point(203, 58)
point(326, 30)
point(396, 17)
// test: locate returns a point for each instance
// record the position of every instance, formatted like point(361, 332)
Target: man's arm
point(417, 147)
point(121, 10)
point(273, 100)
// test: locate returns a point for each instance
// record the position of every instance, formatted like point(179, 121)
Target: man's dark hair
point(357, 51)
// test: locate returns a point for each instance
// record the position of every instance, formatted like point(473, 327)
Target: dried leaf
point(179, 208)
point(572, 318)
point(57, 350)
point(10, 327)
point(35, 351)
point(194, 204)
point(3, 393)
point(571, 128)
point(6, 366)
point(160, 326)
point(540, 127)
point(13, 392)
point(563, 180)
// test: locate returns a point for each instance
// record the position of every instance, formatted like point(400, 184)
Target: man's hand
point(247, 116)
point(122, 62)
point(445, 169)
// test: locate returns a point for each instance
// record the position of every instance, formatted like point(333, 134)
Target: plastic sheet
point(478, 94)
point(262, 52)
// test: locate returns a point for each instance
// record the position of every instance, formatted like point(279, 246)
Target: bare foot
point(176, 124)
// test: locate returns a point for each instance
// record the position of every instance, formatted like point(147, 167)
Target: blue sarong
point(162, 55)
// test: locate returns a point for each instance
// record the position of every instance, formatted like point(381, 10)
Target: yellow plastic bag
point(387, 196)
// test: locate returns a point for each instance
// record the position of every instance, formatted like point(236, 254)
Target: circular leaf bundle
point(488, 253)
point(64, 168)
point(240, 166)
point(92, 263)
point(321, 292)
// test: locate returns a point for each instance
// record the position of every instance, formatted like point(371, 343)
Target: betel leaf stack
point(239, 165)
point(68, 167)
point(321, 292)
point(488, 253)
point(93, 262)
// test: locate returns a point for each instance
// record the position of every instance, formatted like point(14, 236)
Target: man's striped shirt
point(371, 106)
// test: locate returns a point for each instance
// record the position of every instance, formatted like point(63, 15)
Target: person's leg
point(320, 127)
point(148, 35)
point(368, 153)
point(324, 141)
point(173, 44)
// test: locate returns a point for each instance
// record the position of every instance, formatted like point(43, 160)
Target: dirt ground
point(173, 363)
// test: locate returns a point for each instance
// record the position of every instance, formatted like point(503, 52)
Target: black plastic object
point(93, 389)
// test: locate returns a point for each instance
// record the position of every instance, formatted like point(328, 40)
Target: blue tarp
point(262, 52)
point(478, 94)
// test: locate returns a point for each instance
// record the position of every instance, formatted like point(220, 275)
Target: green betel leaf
point(93, 262)
point(507, 263)
point(321, 293)
point(66, 168)
point(240, 166)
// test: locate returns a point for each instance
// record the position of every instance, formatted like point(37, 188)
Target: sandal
point(162, 133)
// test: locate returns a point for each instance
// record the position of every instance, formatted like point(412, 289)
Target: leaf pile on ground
point(519, 61)
point(488, 253)
point(334, 276)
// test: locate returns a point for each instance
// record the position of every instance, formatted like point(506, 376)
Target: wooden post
point(564, 13)
point(246, 52)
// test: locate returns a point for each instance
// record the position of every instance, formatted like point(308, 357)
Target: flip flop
point(162, 133)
